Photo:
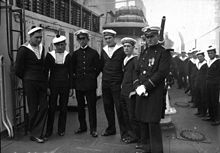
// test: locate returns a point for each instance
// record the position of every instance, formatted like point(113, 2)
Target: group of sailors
point(132, 85)
point(200, 77)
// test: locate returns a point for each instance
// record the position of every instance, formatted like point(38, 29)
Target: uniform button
point(84, 62)
point(144, 72)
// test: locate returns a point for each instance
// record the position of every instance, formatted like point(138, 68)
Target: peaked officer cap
point(82, 31)
point(151, 30)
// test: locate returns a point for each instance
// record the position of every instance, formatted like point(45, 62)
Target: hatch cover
point(192, 135)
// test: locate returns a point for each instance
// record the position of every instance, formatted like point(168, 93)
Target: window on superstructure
point(124, 3)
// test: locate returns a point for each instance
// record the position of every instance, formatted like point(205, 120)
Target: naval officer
point(152, 69)
point(86, 68)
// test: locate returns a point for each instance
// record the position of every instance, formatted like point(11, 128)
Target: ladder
point(18, 96)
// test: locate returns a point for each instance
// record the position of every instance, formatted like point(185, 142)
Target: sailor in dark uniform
point(86, 68)
point(112, 57)
point(59, 71)
point(212, 83)
point(29, 67)
point(129, 126)
point(152, 69)
point(191, 72)
point(200, 84)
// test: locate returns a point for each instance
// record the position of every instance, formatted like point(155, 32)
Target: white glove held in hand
point(140, 90)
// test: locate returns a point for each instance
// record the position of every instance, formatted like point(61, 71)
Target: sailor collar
point(199, 65)
point(114, 49)
point(210, 62)
point(128, 58)
point(53, 54)
point(38, 54)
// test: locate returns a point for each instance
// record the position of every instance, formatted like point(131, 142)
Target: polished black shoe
point(38, 140)
point(215, 123)
point(80, 131)
point(108, 133)
point(61, 133)
point(139, 146)
point(201, 115)
point(141, 151)
point(94, 134)
point(207, 119)
point(197, 114)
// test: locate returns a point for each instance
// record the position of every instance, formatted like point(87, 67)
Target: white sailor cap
point(128, 40)
point(109, 32)
point(34, 29)
point(194, 50)
point(149, 30)
point(82, 31)
point(200, 52)
point(211, 48)
point(58, 38)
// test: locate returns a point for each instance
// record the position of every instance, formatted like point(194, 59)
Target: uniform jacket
point(213, 72)
point(112, 67)
point(28, 66)
point(86, 68)
point(152, 69)
point(128, 77)
point(60, 74)
point(201, 73)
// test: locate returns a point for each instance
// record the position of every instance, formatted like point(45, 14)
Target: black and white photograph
point(110, 76)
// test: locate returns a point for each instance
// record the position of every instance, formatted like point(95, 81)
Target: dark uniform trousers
point(86, 65)
point(111, 99)
point(213, 97)
point(213, 82)
point(111, 85)
point(63, 93)
point(130, 125)
point(152, 139)
point(152, 69)
point(192, 70)
point(200, 90)
point(90, 96)
point(30, 69)
point(36, 93)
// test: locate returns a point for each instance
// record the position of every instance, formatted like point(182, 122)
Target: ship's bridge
point(127, 20)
